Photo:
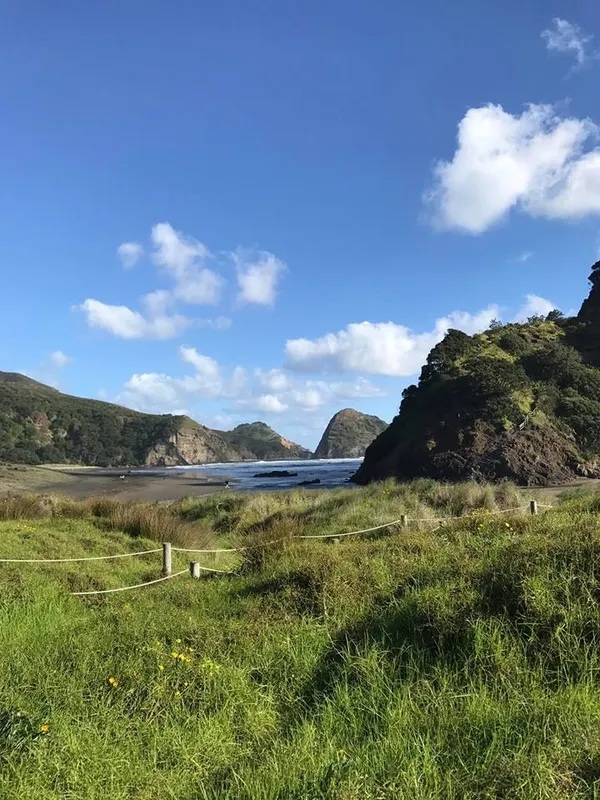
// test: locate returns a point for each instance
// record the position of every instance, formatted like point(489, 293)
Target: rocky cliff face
point(191, 444)
point(520, 401)
point(348, 434)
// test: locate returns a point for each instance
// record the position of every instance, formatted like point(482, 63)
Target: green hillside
point(422, 664)
point(39, 425)
point(519, 401)
point(255, 440)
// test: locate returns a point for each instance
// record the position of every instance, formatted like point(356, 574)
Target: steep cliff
point(519, 401)
point(348, 434)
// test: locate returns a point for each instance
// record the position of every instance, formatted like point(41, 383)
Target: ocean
point(331, 472)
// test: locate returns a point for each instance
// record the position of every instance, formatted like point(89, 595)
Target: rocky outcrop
point(255, 440)
point(519, 401)
point(192, 443)
point(348, 434)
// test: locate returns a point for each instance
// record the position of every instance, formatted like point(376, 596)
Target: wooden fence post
point(195, 569)
point(403, 520)
point(166, 558)
point(533, 506)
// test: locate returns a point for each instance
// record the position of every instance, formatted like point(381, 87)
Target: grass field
point(453, 663)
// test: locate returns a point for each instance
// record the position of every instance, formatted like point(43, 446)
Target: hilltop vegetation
point(454, 664)
point(40, 425)
point(255, 440)
point(520, 401)
point(348, 434)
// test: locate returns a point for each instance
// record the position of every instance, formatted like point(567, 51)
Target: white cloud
point(534, 306)
point(121, 321)
point(129, 254)
point(216, 323)
point(564, 37)
point(294, 395)
point(308, 395)
point(174, 252)
point(59, 360)
point(220, 421)
point(525, 256)
point(206, 367)
point(157, 303)
point(275, 380)
point(534, 162)
point(379, 348)
point(160, 393)
point(267, 403)
point(257, 280)
point(202, 288)
point(183, 258)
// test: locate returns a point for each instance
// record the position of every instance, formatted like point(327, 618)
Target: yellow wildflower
point(161, 667)
point(178, 694)
point(113, 682)
point(174, 654)
point(44, 728)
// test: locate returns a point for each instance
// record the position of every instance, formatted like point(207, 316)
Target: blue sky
point(272, 210)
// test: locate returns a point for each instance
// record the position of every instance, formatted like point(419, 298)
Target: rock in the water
point(310, 483)
point(276, 473)
point(348, 434)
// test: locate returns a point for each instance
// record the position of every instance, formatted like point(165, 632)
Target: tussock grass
point(142, 520)
point(459, 663)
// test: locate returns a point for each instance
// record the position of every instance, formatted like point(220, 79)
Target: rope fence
point(135, 585)
point(72, 560)
point(195, 568)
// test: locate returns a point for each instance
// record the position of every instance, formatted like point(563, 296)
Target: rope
point(70, 560)
point(408, 519)
point(223, 571)
point(135, 586)
point(351, 533)
point(222, 550)
point(241, 549)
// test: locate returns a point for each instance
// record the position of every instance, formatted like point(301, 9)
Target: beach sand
point(82, 482)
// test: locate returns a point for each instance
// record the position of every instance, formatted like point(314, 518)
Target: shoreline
point(153, 485)
point(81, 482)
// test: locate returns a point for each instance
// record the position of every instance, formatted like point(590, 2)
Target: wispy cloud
point(129, 254)
point(525, 256)
point(184, 259)
point(258, 277)
point(565, 37)
point(125, 323)
point(59, 359)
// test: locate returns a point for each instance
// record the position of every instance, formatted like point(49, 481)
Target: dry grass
point(146, 521)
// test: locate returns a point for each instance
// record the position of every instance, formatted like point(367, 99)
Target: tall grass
point(457, 664)
point(142, 520)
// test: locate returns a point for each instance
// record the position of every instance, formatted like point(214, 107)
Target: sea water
point(331, 472)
